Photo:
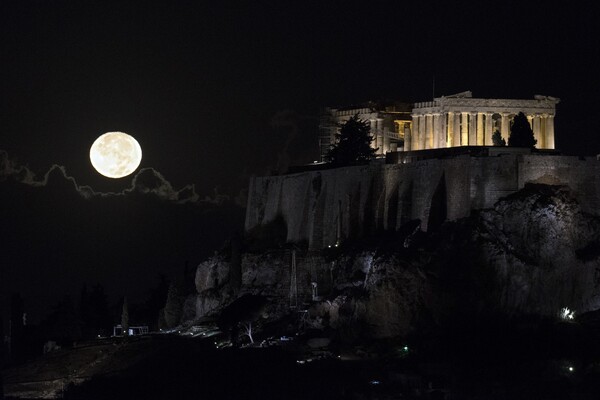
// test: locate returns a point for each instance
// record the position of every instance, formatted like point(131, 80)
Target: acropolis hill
point(448, 176)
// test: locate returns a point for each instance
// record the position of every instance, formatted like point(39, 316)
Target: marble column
point(436, 131)
point(386, 141)
point(537, 132)
point(429, 132)
point(414, 143)
point(472, 128)
point(464, 129)
point(450, 129)
point(380, 137)
point(422, 138)
point(407, 135)
point(549, 139)
point(543, 119)
point(530, 120)
point(489, 128)
point(373, 132)
point(480, 132)
point(456, 130)
point(505, 127)
point(443, 137)
point(373, 123)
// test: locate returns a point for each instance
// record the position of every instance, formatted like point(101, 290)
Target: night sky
point(218, 91)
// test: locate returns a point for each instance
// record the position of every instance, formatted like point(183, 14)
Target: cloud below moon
point(146, 181)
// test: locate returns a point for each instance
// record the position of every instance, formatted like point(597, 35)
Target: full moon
point(115, 154)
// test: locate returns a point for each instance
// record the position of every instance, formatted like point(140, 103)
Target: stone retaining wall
point(323, 207)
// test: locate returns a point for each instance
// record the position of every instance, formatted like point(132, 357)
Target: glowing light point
point(566, 314)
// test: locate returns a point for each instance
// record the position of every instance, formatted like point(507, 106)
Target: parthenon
point(447, 121)
point(461, 120)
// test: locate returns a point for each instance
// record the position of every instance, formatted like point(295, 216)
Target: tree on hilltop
point(521, 134)
point(497, 139)
point(353, 143)
point(174, 306)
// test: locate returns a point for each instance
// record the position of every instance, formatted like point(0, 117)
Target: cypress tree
point(353, 144)
point(521, 134)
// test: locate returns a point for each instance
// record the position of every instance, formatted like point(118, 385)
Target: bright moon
point(115, 154)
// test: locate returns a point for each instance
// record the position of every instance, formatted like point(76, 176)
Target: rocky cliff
point(323, 207)
point(534, 252)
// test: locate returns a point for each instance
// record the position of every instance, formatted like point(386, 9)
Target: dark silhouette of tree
point(353, 144)
point(155, 302)
point(242, 311)
point(125, 317)
point(161, 322)
point(521, 134)
point(64, 324)
point(93, 310)
point(174, 305)
point(497, 139)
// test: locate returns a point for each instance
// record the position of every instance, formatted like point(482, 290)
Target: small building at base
point(118, 330)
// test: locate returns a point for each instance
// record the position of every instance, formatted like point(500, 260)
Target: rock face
point(323, 207)
point(212, 278)
point(374, 297)
point(534, 252)
point(545, 251)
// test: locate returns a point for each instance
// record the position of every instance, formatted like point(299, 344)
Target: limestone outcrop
point(534, 252)
point(544, 249)
point(212, 279)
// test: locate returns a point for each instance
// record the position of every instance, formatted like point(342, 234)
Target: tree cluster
point(353, 144)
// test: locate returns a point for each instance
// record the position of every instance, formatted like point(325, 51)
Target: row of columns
point(380, 141)
point(439, 130)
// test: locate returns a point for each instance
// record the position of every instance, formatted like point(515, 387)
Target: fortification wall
point(581, 174)
point(322, 207)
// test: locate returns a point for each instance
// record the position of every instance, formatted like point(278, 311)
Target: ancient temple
point(390, 123)
point(447, 121)
point(461, 120)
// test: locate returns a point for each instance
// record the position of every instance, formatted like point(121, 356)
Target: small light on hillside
point(566, 314)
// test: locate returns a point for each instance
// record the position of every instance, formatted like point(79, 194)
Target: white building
point(461, 120)
point(447, 121)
